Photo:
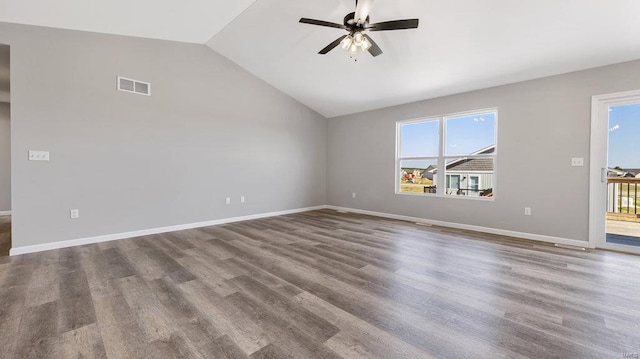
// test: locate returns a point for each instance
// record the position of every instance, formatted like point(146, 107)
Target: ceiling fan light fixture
point(366, 44)
point(354, 49)
point(355, 23)
point(346, 42)
point(358, 38)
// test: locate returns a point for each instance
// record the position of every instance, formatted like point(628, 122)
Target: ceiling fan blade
point(322, 23)
point(332, 45)
point(394, 25)
point(374, 50)
point(363, 8)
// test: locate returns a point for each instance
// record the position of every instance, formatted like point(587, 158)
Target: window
point(463, 145)
point(453, 182)
point(474, 182)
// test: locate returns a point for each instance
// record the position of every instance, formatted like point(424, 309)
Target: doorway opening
point(615, 172)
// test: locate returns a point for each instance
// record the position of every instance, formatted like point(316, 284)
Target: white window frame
point(442, 159)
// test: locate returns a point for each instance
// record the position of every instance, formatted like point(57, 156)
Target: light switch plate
point(38, 155)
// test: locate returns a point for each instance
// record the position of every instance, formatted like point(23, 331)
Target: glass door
point(614, 192)
point(623, 175)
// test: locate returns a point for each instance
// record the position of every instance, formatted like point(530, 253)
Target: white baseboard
point(502, 232)
point(146, 232)
point(5, 213)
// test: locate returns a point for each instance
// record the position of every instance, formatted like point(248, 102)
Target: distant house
point(621, 172)
point(470, 176)
point(429, 171)
point(635, 172)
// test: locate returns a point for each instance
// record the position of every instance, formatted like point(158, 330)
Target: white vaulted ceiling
point(460, 45)
point(193, 21)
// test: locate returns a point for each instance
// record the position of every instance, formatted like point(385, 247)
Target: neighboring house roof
point(473, 164)
point(632, 171)
point(614, 172)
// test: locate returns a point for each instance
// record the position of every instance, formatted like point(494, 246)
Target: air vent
point(134, 86)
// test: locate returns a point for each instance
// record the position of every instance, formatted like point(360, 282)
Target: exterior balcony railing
point(622, 198)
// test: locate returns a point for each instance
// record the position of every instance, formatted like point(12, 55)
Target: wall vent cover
point(134, 86)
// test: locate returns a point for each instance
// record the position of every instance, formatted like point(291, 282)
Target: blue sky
point(624, 136)
point(464, 136)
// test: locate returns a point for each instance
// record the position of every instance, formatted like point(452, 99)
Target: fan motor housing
point(350, 21)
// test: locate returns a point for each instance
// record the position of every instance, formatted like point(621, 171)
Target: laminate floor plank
point(76, 304)
point(264, 277)
point(169, 265)
point(307, 322)
point(44, 287)
point(121, 334)
point(228, 320)
point(319, 284)
point(38, 334)
point(272, 351)
point(85, 342)
point(281, 332)
point(225, 348)
point(149, 313)
point(203, 272)
point(219, 266)
point(13, 293)
point(176, 346)
point(183, 313)
point(358, 338)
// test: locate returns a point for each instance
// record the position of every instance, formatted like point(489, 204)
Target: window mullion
point(441, 161)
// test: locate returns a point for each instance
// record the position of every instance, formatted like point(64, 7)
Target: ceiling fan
point(356, 23)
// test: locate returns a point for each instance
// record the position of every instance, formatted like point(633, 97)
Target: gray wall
point(5, 157)
point(542, 124)
point(129, 162)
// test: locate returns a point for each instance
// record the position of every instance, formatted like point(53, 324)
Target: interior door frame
point(598, 161)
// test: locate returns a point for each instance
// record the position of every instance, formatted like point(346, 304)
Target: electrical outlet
point(75, 213)
point(38, 155)
point(241, 199)
point(353, 195)
point(527, 211)
point(577, 162)
point(228, 200)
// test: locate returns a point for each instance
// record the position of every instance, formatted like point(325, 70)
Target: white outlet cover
point(577, 162)
point(75, 214)
point(38, 155)
point(228, 200)
point(241, 199)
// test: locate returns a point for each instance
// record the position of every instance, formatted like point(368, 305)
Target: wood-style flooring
point(320, 284)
